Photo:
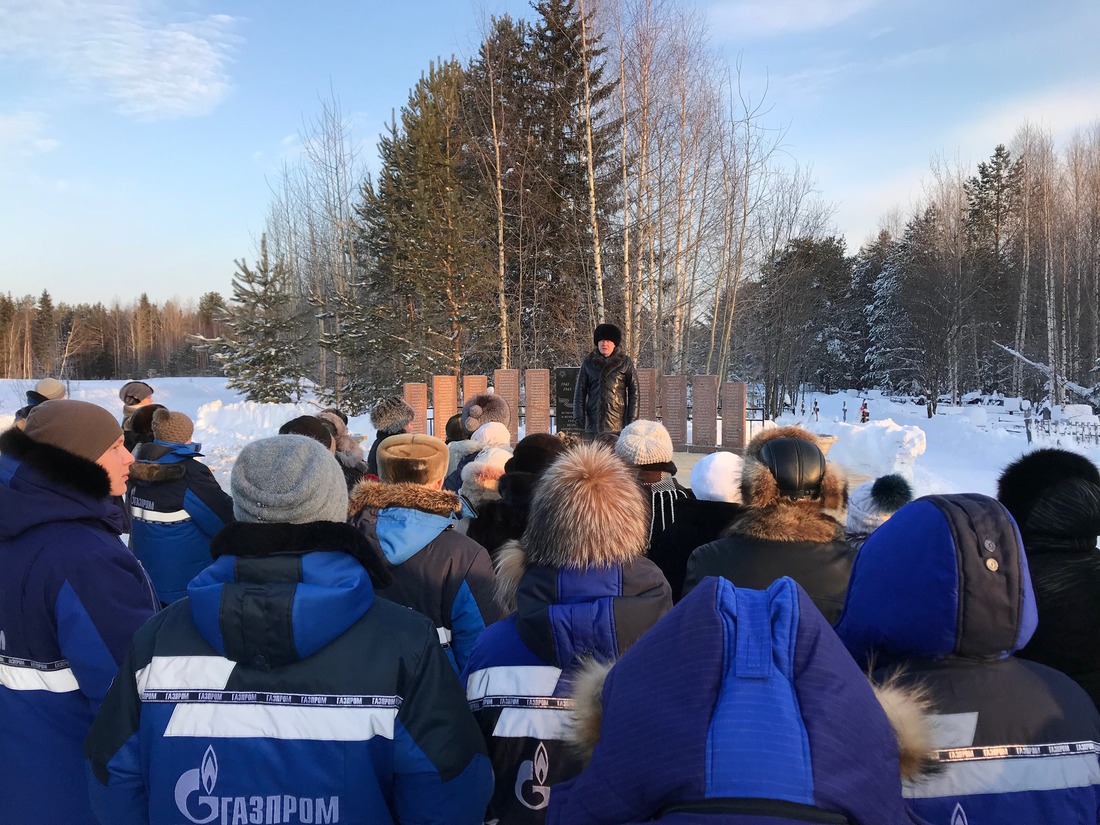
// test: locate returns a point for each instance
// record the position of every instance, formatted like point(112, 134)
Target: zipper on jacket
point(757, 807)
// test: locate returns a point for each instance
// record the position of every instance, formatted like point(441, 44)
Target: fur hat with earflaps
point(768, 706)
point(588, 511)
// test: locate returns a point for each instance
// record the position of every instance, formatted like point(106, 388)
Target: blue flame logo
point(209, 770)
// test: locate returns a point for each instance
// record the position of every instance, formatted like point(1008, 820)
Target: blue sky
point(138, 138)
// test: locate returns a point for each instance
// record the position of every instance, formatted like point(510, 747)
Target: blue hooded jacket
point(71, 598)
point(942, 590)
point(177, 507)
point(281, 691)
point(740, 707)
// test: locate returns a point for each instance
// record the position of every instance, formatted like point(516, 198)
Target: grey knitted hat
point(288, 479)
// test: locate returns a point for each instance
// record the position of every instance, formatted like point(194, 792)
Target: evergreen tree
point(259, 352)
point(859, 307)
point(44, 338)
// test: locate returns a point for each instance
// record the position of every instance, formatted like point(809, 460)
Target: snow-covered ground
point(962, 449)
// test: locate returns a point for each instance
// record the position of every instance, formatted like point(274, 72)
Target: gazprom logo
point(531, 788)
point(195, 799)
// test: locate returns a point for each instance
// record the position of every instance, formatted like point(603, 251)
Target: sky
point(140, 139)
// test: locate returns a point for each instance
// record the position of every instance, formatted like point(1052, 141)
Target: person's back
point(410, 522)
point(176, 506)
point(787, 487)
point(71, 598)
point(941, 591)
point(1054, 495)
point(282, 689)
point(577, 587)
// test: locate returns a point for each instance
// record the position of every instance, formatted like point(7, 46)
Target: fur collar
point(375, 495)
point(787, 520)
point(907, 707)
point(57, 466)
point(256, 540)
point(151, 472)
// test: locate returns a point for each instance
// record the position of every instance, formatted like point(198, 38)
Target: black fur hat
point(1052, 492)
point(607, 332)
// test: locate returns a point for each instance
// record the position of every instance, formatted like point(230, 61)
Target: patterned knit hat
point(77, 427)
point(644, 442)
point(173, 427)
point(288, 479)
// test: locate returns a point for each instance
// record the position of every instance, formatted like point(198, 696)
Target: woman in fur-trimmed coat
point(785, 530)
point(578, 587)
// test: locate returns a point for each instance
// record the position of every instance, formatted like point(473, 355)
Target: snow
point(962, 449)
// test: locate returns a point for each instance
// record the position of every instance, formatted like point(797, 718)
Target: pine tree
point(259, 352)
point(45, 335)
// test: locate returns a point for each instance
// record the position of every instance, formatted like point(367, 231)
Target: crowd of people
point(553, 631)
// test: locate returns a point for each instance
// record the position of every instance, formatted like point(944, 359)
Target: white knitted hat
point(872, 503)
point(717, 477)
point(644, 442)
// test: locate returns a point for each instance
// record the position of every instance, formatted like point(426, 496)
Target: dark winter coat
point(737, 708)
point(606, 396)
point(282, 690)
point(372, 456)
point(666, 496)
point(698, 522)
point(436, 570)
point(520, 673)
point(177, 507)
point(71, 598)
point(499, 522)
point(942, 590)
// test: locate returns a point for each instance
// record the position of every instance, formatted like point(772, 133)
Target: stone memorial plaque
point(444, 402)
point(704, 413)
point(472, 385)
point(416, 396)
point(506, 385)
point(647, 394)
point(734, 430)
point(565, 383)
point(536, 402)
point(674, 409)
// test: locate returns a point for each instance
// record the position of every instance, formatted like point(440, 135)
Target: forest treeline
point(589, 165)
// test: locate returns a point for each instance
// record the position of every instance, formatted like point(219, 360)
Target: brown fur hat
point(412, 458)
point(759, 487)
point(588, 511)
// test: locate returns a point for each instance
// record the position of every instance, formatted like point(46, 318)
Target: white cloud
point(152, 62)
point(764, 18)
point(22, 133)
point(1060, 109)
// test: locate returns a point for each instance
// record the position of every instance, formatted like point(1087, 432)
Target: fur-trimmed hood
point(400, 520)
point(40, 483)
point(588, 510)
point(766, 707)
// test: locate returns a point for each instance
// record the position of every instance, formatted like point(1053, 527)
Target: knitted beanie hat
point(311, 427)
point(717, 477)
point(173, 427)
point(391, 414)
point(607, 332)
point(134, 392)
point(50, 389)
point(412, 458)
point(77, 427)
point(483, 408)
point(870, 504)
point(644, 442)
point(288, 479)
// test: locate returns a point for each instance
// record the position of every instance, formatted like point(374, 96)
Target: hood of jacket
point(400, 520)
point(566, 615)
point(767, 714)
point(944, 576)
point(40, 484)
point(277, 593)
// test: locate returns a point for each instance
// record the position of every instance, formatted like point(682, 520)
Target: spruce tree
point(259, 352)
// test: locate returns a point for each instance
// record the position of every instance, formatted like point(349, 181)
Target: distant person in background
point(389, 416)
point(348, 451)
point(141, 425)
point(1054, 495)
point(48, 389)
point(134, 395)
point(606, 395)
point(71, 598)
point(871, 503)
point(176, 504)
